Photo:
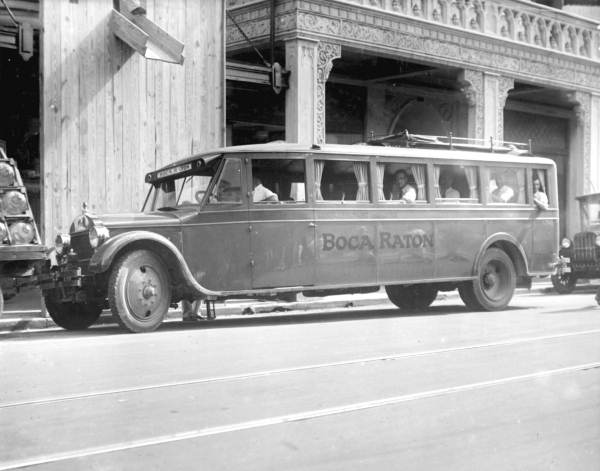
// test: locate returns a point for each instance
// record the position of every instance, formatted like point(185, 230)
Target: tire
point(495, 284)
point(465, 291)
point(72, 316)
point(139, 291)
point(412, 297)
point(564, 284)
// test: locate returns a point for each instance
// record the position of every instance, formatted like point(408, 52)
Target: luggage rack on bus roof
point(405, 139)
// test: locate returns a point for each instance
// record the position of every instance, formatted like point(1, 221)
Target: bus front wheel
point(139, 291)
point(412, 297)
point(495, 284)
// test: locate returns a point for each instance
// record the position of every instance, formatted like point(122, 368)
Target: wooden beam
point(146, 38)
point(129, 33)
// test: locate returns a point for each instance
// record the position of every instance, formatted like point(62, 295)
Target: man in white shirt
point(503, 193)
point(261, 193)
point(401, 190)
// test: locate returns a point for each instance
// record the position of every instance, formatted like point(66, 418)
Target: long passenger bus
point(416, 215)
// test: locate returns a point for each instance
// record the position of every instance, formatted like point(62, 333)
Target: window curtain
point(380, 175)
point(436, 179)
point(521, 185)
point(418, 172)
point(541, 174)
point(361, 171)
point(471, 174)
point(319, 165)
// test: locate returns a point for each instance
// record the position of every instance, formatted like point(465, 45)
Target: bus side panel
point(517, 224)
point(217, 246)
point(456, 245)
point(405, 250)
point(346, 246)
point(545, 241)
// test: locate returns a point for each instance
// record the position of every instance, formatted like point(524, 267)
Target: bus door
point(405, 234)
point(281, 223)
point(217, 242)
point(346, 239)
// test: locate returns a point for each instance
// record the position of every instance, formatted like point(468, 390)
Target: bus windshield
point(175, 193)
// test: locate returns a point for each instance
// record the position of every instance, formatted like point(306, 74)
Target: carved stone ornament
point(573, 64)
point(326, 53)
point(582, 113)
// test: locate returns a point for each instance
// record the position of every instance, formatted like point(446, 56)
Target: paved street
point(350, 390)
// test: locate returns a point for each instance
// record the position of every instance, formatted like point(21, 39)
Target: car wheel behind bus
point(564, 284)
point(412, 297)
point(139, 291)
point(72, 316)
point(495, 284)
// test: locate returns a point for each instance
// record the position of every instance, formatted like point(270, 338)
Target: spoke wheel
point(72, 316)
point(495, 284)
point(139, 291)
point(412, 297)
point(564, 284)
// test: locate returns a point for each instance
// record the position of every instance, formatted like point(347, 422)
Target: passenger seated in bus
point(401, 190)
point(501, 193)
point(540, 198)
point(446, 182)
point(261, 193)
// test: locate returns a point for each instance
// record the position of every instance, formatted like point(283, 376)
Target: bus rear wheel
point(495, 284)
point(73, 316)
point(412, 297)
point(564, 284)
point(139, 291)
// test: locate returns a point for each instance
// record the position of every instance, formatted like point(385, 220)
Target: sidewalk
point(23, 312)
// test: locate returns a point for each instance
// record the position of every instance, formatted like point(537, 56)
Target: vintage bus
point(414, 214)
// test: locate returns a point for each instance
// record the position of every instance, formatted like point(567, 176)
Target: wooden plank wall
point(109, 115)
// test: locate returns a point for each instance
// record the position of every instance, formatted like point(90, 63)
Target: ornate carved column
point(485, 94)
point(310, 63)
point(327, 52)
point(583, 148)
point(472, 81)
point(300, 110)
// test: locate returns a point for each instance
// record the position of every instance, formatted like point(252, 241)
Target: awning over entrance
point(129, 23)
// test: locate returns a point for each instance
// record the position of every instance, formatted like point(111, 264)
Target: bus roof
point(205, 158)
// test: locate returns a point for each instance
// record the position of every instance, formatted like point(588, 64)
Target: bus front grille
point(584, 247)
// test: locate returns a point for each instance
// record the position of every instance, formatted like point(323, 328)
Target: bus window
point(507, 185)
point(456, 183)
point(401, 182)
point(539, 189)
point(337, 180)
point(229, 187)
point(278, 180)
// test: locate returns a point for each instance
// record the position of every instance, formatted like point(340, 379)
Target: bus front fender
point(107, 253)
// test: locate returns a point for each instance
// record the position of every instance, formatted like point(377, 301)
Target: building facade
point(512, 69)
point(117, 88)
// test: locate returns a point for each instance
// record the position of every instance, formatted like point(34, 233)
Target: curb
point(252, 307)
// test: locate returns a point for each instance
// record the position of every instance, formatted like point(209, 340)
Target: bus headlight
point(62, 243)
point(22, 232)
point(598, 240)
point(14, 202)
point(565, 243)
point(98, 234)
